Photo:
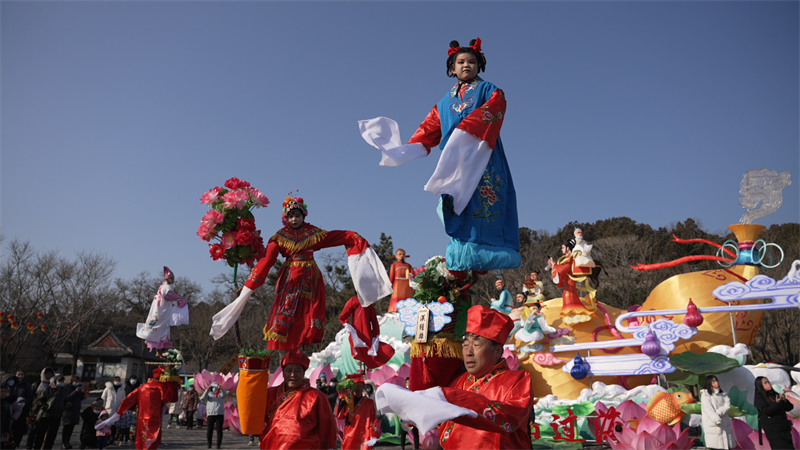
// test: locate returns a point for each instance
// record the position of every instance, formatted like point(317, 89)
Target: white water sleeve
point(383, 133)
point(224, 320)
point(460, 168)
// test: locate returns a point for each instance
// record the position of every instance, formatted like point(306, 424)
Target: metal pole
point(733, 329)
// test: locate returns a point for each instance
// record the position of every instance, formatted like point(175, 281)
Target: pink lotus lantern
point(204, 379)
point(386, 374)
point(511, 359)
point(277, 378)
point(652, 436)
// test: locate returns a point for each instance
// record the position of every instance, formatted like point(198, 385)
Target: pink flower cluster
point(649, 434)
point(231, 221)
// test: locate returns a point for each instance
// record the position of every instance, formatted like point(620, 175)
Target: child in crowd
point(104, 433)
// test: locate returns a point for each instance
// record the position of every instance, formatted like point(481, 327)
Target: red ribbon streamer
point(703, 241)
point(644, 267)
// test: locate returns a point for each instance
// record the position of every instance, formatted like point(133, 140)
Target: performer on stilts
point(297, 316)
point(364, 330)
point(168, 309)
point(477, 203)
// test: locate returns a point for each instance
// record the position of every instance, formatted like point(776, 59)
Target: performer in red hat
point(365, 345)
point(359, 425)
point(298, 416)
point(151, 398)
point(501, 397)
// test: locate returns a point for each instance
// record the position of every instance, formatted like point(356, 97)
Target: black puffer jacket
point(72, 413)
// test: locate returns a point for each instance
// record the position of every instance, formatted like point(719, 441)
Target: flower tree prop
point(230, 221)
point(231, 227)
point(345, 390)
point(446, 294)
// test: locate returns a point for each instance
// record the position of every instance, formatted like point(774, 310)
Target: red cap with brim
point(489, 323)
point(295, 357)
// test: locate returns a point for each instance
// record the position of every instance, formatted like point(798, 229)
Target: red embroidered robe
point(567, 272)
point(359, 426)
point(399, 274)
point(151, 398)
point(365, 321)
point(298, 419)
point(298, 311)
point(502, 399)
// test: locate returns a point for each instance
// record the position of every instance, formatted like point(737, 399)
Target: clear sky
point(117, 116)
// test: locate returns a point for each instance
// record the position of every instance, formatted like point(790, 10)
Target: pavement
point(182, 438)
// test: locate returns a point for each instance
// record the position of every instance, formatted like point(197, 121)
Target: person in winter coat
point(45, 377)
point(19, 425)
point(25, 390)
point(90, 416)
point(772, 408)
point(214, 397)
point(717, 426)
point(190, 401)
point(112, 396)
point(48, 408)
point(131, 384)
point(72, 415)
point(175, 409)
point(5, 416)
point(11, 382)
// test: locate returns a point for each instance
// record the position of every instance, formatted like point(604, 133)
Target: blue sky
point(117, 116)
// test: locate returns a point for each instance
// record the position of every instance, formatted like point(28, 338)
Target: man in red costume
point(565, 274)
point(360, 423)
point(151, 397)
point(399, 274)
point(365, 345)
point(501, 397)
point(298, 416)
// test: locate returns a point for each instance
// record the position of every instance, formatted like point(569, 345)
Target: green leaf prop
point(346, 385)
point(692, 408)
point(739, 400)
point(579, 409)
point(703, 363)
point(684, 378)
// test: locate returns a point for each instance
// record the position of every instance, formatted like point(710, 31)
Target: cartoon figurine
point(534, 329)
point(582, 251)
point(534, 288)
point(505, 303)
point(399, 274)
point(566, 274)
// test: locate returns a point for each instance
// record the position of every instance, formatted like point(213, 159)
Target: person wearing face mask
point(18, 423)
point(112, 397)
point(131, 384)
point(90, 416)
point(72, 414)
point(48, 408)
point(46, 374)
point(10, 381)
point(25, 391)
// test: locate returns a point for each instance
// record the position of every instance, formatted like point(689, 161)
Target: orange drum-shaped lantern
point(716, 329)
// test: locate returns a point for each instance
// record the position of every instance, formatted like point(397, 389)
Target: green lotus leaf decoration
point(703, 363)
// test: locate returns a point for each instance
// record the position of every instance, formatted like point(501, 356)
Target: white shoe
point(251, 443)
point(178, 427)
point(169, 425)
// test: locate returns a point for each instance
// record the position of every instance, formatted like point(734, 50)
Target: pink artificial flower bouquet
point(231, 221)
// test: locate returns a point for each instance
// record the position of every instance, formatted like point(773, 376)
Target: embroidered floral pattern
point(487, 116)
point(490, 182)
point(462, 95)
point(488, 413)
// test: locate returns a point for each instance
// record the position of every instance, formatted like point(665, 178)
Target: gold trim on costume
point(441, 347)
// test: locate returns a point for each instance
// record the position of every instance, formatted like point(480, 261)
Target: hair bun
point(454, 44)
point(472, 42)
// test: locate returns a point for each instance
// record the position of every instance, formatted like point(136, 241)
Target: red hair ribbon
point(477, 46)
point(453, 50)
